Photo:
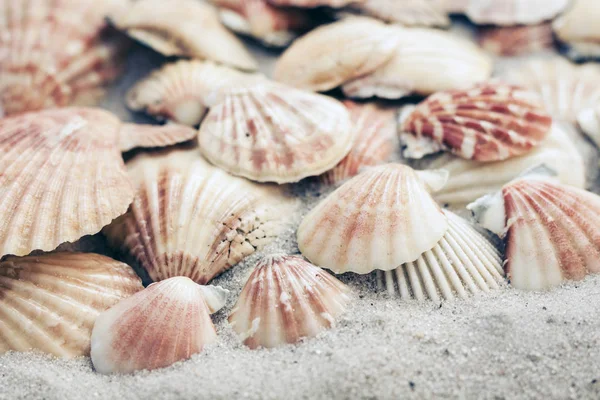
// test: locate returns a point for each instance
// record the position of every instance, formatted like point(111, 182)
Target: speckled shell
point(55, 53)
point(379, 219)
point(589, 121)
point(286, 299)
point(462, 262)
point(425, 61)
point(50, 302)
point(61, 177)
point(269, 132)
point(578, 28)
point(191, 219)
point(187, 28)
point(332, 54)
point(376, 140)
point(490, 122)
point(169, 321)
point(516, 40)
point(132, 136)
point(313, 3)
point(404, 12)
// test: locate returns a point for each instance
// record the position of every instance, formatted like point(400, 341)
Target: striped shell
point(132, 136)
point(379, 219)
point(517, 40)
point(578, 28)
point(191, 219)
point(286, 299)
point(462, 262)
point(489, 122)
point(313, 3)
point(50, 302)
point(169, 321)
point(269, 132)
point(589, 121)
point(404, 12)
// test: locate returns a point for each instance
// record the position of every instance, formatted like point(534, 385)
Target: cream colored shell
point(403, 12)
point(578, 27)
point(589, 121)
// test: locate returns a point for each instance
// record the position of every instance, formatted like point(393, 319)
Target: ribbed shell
point(589, 121)
point(379, 219)
point(578, 27)
point(269, 132)
point(375, 130)
point(169, 321)
point(138, 135)
point(330, 55)
point(425, 61)
point(490, 122)
point(191, 219)
point(405, 12)
point(61, 177)
point(286, 299)
point(50, 302)
point(462, 262)
point(517, 40)
point(313, 3)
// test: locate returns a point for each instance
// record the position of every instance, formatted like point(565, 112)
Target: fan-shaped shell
point(139, 135)
point(404, 12)
point(61, 177)
point(286, 299)
point(589, 121)
point(313, 3)
point(462, 261)
point(517, 40)
point(330, 55)
point(489, 122)
point(49, 302)
point(191, 219)
point(270, 132)
point(379, 219)
point(578, 27)
point(169, 321)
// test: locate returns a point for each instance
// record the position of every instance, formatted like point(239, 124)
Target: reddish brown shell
point(516, 40)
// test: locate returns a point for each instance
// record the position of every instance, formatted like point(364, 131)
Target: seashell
point(167, 322)
point(286, 299)
point(332, 54)
point(379, 219)
point(61, 177)
point(589, 121)
point(404, 12)
point(517, 40)
point(132, 136)
point(578, 28)
point(462, 261)
point(191, 219)
point(313, 3)
point(490, 122)
point(55, 53)
point(50, 302)
point(375, 131)
point(187, 28)
point(425, 61)
point(269, 132)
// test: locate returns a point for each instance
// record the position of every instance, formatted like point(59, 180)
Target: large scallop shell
point(462, 261)
point(379, 219)
point(191, 219)
point(589, 121)
point(490, 122)
point(286, 299)
point(169, 321)
point(404, 12)
point(269, 132)
point(132, 136)
point(579, 29)
point(61, 177)
point(517, 40)
point(50, 302)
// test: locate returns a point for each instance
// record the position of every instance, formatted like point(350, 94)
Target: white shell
point(578, 27)
point(403, 12)
point(589, 121)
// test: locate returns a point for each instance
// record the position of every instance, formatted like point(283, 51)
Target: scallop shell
point(375, 130)
point(425, 61)
point(187, 28)
point(517, 40)
point(286, 299)
point(61, 177)
point(55, 53)
point(269, 132)
point(137, 135)
point(589, 121)
point(379, 219)
point(490, 122)
point(579, 29)
point(462, 261)
point(191, 219)
point(167, 322)
point(330, 55)
point(404, 12)
point(50, 302)
point(313, 3)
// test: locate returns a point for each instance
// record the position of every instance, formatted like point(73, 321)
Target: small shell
point(50, 302)
point(61, 177)
point(589, 121)
point(579, 29)
point(517, 40)
point(187, 28)
point(191, 219)
point(463, 261)
point(132, 136)
point(404, 12)
point(169, 321)
point(313, 3)
point(269, 132)
point(286, 299)
point(379, 219)
point(489, 122)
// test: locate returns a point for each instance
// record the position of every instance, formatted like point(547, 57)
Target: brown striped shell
point(516, 40)
point(403, 12)
point(578, 28)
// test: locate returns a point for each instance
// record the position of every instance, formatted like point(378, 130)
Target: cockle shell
point(517, 40)
point(192, 219)
point(379, 219)
point(132, 136)
point(286, 299)
point(578, 27)
point(490, 122)
point(462, 261)
point(589, 121)
point(404, 12)
point(169, 321)
point(50, 302)
point(269, 132)
point(187, 28)
point(313, 3)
